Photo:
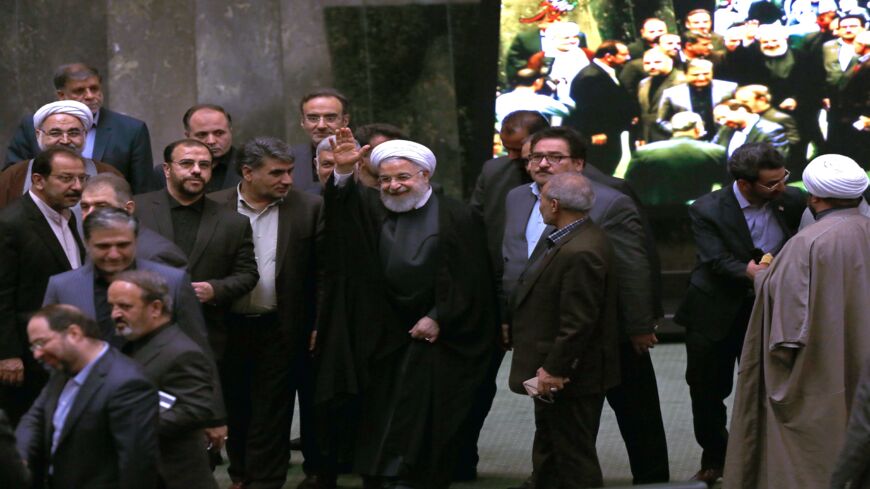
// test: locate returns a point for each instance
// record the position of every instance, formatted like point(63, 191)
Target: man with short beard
point(742, 126)
point(700, 94)
point(38, 238)
point(661, 75)
point(650, 31)
point(403, 350)
point(142, 312)
point(63, 123)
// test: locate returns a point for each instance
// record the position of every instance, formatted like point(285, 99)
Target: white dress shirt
point(59, 223)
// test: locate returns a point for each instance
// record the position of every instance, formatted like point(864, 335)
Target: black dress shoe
point(318, 481)
point(710, 476)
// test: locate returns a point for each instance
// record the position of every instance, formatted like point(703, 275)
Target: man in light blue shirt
point(95, 422)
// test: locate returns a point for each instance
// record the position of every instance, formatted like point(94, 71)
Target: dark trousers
point(260, 372)
point(466, 447)
point(710, 375)
point(638, 412)
point(563, 453)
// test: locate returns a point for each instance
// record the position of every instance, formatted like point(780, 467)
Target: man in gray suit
point(111, 239)
point(559, 150)
point(322, 113)
point(700, 94)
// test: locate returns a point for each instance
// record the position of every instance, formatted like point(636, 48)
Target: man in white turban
point(62, 123)
point(807, 341)
point(407, 337)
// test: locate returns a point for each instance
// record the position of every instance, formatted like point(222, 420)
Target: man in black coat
point(211, 125)
point(95, 423)
point(851, 107)
point(32, 252)
point(604, 109)
point(734, 228)
point(408, 333)
point(119, 140)
point(178, 368)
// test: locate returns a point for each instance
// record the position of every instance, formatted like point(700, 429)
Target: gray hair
point(325, 145)
point(153, 285)
point(572, 190)
point(109, 218)
point(119, 186)
point(255, 152)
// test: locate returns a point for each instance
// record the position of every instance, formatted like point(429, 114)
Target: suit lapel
point(286, 217)
point(46, 235)
point(535, 269)
point(104, 134)
point(643, 94)
point(162, 215)
point(735, 218)
point(153, 347)
point(85, 290)
point(92, 385)
point(207, 226)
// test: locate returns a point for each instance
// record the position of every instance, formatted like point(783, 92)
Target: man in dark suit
point(95, 423)
point(178, 368)
point(661, 75)
point(113, 191)
point(742, 127)
point(272, 326)
point(851, 107)
point(13, 472)
point(111, 241)
point(650, 30)
point(565, 335)
point(119, 140)
point(211, 125)
point(322, 113)
point(38, 238)
point(604, 109)
point(678, 170)
point(635, 401)
point(734, 228)
point(216, 241)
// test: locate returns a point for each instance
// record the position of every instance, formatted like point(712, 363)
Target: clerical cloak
point(805, 346)
point(395, 404)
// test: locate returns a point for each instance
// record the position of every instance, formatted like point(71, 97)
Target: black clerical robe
point(401, 399)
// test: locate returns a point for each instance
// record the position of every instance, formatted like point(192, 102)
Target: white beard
point(402, 202)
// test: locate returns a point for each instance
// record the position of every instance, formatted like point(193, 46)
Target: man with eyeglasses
point(322, 113)
point(737, 229)
point(38, 238)
point(119, 140)
point(96, 422)
point(62, 123)
point(635, 401)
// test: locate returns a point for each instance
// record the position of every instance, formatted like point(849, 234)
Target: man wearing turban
point(62, 123)
point(408, 318)
point(807, 341)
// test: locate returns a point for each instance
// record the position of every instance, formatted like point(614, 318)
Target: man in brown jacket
point(565, 336)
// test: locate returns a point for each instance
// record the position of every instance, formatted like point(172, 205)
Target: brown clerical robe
point(807, 341)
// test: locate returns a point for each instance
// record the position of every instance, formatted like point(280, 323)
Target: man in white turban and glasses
point(61, 123)
point(409, 319)
point(807, 341)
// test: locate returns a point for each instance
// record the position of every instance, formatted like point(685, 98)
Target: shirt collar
point(607, 69)
point(240, 201)
point(535, 189)
point(423, 200)
point(741, 200)
point(753, 120)
point(558, 235)
point(48, 212)
point(82, 376)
